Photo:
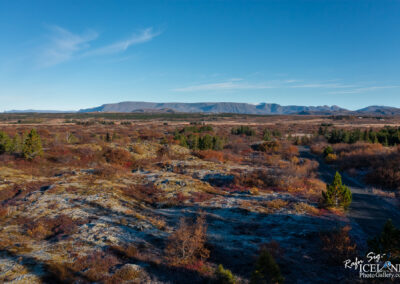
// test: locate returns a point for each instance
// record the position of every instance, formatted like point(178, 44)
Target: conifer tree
point(5, 143)
point(266, 270)
point(16, 144)
point(337, 194)
point(387, 242)
point(267, 135)
point(32, 146)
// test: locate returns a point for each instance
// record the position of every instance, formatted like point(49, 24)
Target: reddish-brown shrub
point(95, 266)
point(118, 156)
point(273, 248)
point(289, 151)
point(210, 155)
point(180, 197)
point(187, 244)
point(8, 192)
point(256, 178)
point(59, 226)
point(338, 244)
point(144, 192)
point(200, 197)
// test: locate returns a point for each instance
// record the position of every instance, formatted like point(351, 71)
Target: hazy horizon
point(166, 102)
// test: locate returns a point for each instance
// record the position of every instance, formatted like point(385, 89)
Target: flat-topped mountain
point(217, 107)
point(226, 107)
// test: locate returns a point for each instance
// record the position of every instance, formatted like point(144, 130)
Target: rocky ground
point(113, 228)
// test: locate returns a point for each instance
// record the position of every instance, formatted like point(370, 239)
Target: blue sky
point(69, 55)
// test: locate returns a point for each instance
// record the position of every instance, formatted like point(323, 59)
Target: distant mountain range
point(38, 111)
point(227, 107)
point(238, 108)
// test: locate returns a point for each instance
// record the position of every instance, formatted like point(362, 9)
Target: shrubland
point(113, 200)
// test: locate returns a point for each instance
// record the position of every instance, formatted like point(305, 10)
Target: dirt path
point(367, 209)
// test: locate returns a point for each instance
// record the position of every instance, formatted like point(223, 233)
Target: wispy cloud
point(363, 89)
point(323, 86)
point(233, 84)
point(240, 84)
point(63, 45)
point(120, 46)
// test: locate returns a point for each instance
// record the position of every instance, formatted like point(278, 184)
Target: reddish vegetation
point(210, 155)
point(186, 246)
point(380, 164)
point(338, 245)
point(146, 192)
point(57, 227)
point(135, 180)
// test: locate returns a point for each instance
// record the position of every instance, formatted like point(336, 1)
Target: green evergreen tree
point(276, 133)
point(193, 142)
point(5, 143)
point(385, 141)
point(218, 143)
point(266, 270)
point(388, 242)
point(347, 138)
point(337, 194)
point(365, 136)
point(267, 135)
point(16, 145)
point(32, 146)
point(321, 131)
point(206, 142)
point(182, 140)
point(243, 129)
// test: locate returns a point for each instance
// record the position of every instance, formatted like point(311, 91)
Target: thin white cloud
point(233, 84)
point(322, 85)
point(64, 45)
point(289, 81)
point(363, 89)
point(240, 84)
point(141, 37)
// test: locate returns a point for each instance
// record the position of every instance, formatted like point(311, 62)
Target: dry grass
point(276, 204)
point(383, 193)
point(302, 208)
point(339, 245)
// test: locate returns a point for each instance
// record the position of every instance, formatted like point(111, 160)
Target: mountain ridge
point(237, 108)
point(225, 107)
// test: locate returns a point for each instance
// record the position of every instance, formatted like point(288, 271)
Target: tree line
point(387, 136)
point(28, 145)
point(193, 137)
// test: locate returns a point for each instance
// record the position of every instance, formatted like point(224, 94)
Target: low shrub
point(95, 266)
point(330, 158)
point(187, 244)
point(210, 155)
point(224, 276)
point(338, 245)
point(118, 156)
point(57, 227)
